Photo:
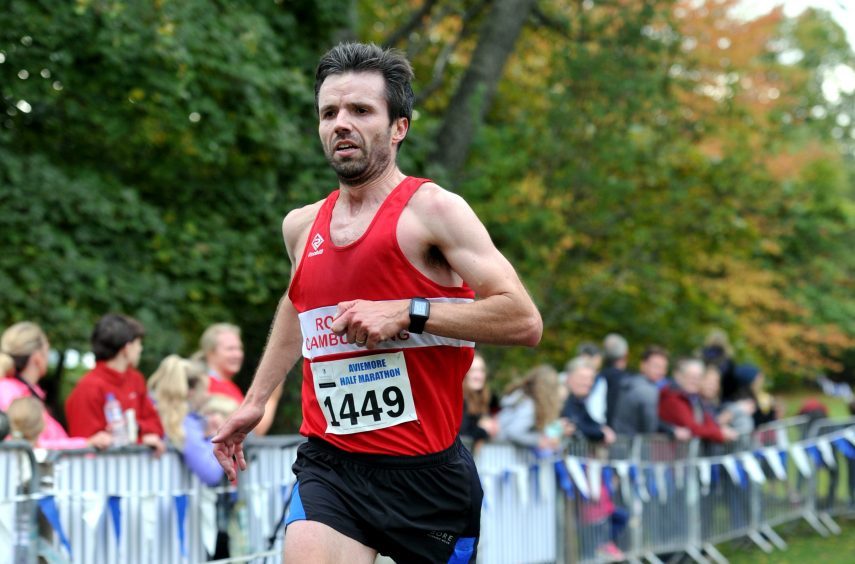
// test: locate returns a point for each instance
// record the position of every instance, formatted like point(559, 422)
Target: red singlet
point(402, 398)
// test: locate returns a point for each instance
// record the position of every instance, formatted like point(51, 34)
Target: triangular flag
point(773, 458)
point(114, 503)
point(47, 505)
point(595, 479)
point(755, 472)
point(574, 467)
point(181, 510)
point(825, 450)
point(801, 460)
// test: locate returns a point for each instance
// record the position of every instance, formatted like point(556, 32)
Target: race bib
point(364, 393)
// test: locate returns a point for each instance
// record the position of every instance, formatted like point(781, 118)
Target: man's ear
point(400, 128)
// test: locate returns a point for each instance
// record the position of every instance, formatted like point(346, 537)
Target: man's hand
point(228, 442)
point(155, 442)
point(729, 434)
point(682, 434)
point(100, 440)
point(368, 323)
point(609, 435)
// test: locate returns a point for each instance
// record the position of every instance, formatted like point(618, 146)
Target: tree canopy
point(656, 169)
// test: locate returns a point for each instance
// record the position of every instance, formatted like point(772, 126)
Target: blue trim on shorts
point(463, 550)
point(296, 512)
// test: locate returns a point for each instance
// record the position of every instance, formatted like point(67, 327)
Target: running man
point(381, 308)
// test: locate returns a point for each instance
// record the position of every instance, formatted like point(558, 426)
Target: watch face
point(419, 308)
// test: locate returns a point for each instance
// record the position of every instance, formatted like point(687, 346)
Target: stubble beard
point(359, 170)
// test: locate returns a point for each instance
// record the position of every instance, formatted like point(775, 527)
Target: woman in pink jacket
point(24, 351)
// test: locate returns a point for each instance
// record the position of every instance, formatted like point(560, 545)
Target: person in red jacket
point(680, 404)
point(117, 345)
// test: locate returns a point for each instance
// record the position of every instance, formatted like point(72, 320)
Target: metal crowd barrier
point(833, 480)
point(19, 481)
point(672, 498)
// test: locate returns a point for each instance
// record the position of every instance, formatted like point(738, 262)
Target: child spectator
point(117, 344)
point(529, 411)
point(26, 419)
point(23, 363)
point(179, 389)
point(479, 404)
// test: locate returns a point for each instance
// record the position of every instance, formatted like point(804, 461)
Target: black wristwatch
point(419, 313)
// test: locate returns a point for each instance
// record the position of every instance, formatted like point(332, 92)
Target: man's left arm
point(504, 314)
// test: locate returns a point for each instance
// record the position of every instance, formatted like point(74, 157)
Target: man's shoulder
point(433, 200)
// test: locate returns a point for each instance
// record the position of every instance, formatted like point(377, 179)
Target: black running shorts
point(410, 508)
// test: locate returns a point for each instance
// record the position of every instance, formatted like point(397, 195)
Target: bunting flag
point(148, 522)
point(608, 480)
point(181, 511)
point(574, 468)
point(813, 453)
point(680, 476)
point(114, 503)
point(824, 448)
point(545, 479)
point(704, 475)
point(661, 482)
point(208, 519)
point(729, 464)
point(844, 447)
point(650, 482)
point(595, 479)
point(564, 481)
point(781, 438)
point(488, 482)
point(849, 434)
point(93, 508)
point(636, 478)
point(622, 469)
point(776, 464)
point(47, 505)
point(520, 474)
point(800, 459)
point(752, 467)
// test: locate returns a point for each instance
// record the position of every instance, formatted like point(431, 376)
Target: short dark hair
point(112, 333)
point(654, 350)
point(368, 57)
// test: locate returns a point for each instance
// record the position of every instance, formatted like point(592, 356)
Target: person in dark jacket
point(580, 379)
point(479, 404)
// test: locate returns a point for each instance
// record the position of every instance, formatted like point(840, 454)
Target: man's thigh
point(310, 541)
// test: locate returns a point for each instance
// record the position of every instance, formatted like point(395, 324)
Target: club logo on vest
point(317, 241)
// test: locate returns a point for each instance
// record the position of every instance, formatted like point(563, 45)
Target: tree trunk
point(478, 86)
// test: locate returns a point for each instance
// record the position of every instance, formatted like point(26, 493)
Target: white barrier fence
point(125, 506)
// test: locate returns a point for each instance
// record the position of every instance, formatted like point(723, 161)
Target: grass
point(804, 545)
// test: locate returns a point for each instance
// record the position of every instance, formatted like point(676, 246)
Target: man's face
point(227, 357)
point(580, 381)
point(134, 351)
point(690, 378)
point(655, 367)
point(354, 126)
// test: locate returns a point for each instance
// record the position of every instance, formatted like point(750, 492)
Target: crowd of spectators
point(183, 403)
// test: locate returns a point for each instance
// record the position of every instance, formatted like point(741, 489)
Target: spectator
point(4, 426)
point(580, 379)
point(529, 411)
point(179, 389)
point(479, 404)
point(591, 352)
point(602, 401)
point(751, 386)
point(221, 349)
point(717, 351)
point(637, 410)
point(117, 345)
point(26, 418)
point(680, 404)
point(735, 414)
point(23, 362)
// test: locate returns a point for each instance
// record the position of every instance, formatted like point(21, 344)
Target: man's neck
point(118, 364)
point(376, 188)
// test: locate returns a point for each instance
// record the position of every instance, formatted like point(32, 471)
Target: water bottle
point(116, 421)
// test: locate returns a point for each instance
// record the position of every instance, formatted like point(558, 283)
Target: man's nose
point(342, 121)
